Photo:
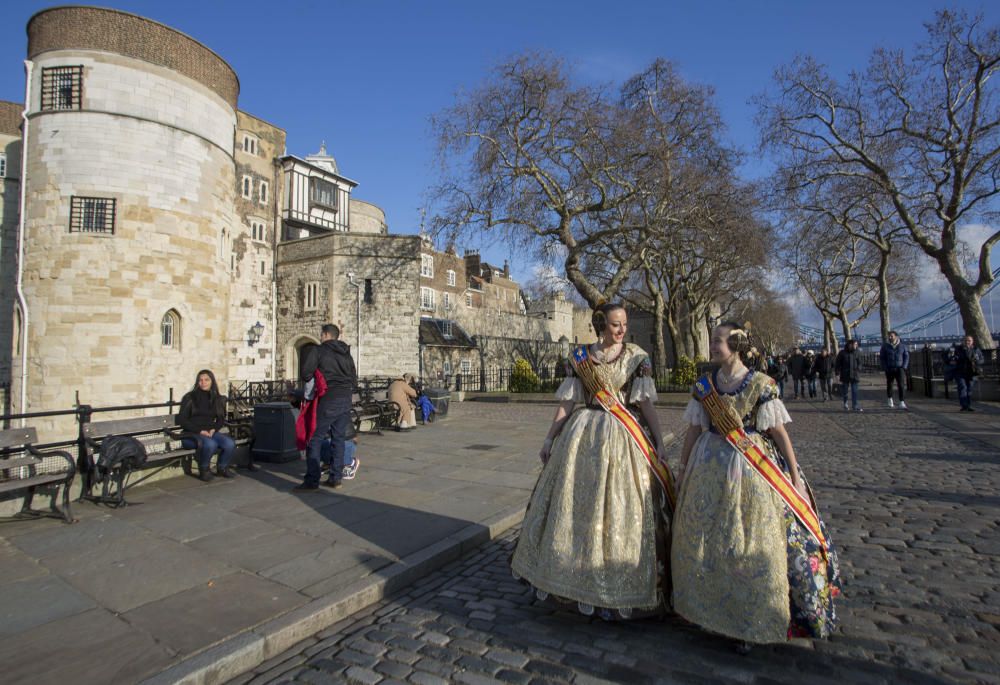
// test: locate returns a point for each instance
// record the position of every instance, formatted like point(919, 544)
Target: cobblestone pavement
point(913, 508)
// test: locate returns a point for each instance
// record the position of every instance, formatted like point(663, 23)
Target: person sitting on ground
point(203, 413)
point(402, 393)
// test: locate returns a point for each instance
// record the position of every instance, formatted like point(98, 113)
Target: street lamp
point(254, 334)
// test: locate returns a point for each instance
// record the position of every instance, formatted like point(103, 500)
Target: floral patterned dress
point(595, 530)
point(742, 564)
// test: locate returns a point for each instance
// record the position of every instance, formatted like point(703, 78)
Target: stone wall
point(160, 145)
point(367, 218)
point(389, 332)
point(10, 198)
point(252, 256)
point(121, 33)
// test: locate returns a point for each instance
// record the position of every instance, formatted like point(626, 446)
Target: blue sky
point(366, 76)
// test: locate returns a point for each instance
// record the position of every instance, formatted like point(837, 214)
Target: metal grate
point(62, 88)
point(91, 215)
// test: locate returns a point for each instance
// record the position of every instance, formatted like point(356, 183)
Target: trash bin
point(274, 432)
point(439, 397)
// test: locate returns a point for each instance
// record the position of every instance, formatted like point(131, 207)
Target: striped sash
point(730, 425)
point(583, 366)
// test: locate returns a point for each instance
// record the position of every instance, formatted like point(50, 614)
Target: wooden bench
point(158, 434)
point(24, 467)
point(376, 408)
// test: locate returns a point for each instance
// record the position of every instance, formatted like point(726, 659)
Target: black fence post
point(928, 373)
point(83, 466)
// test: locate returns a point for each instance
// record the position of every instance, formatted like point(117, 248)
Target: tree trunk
point(969, 306)
point(829, 335)
point(883, 294)
point(673, 330)
point(845, 324)
point(660, 348)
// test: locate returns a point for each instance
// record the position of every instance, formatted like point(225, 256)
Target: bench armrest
point(55, 453)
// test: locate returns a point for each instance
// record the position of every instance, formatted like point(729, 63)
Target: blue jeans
point(964, 391)
point(853, 385)
point(333, 417)
point(781, 388)
point(800, 387)
point(812, 387)
point(220, 442)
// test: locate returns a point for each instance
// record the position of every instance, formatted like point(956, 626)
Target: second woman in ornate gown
point(594, 533)
point(750, 558)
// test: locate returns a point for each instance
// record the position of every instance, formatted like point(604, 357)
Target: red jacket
point(305, 425)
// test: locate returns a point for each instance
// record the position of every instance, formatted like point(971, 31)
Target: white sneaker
point(846, 408)
point(890, 403)
point(902, 405)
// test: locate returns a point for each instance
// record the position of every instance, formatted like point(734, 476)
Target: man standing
point(332, 359)
point(968, 362)
point(848, 367)
point(895, 360)
point(797, 365)
point(824, 369)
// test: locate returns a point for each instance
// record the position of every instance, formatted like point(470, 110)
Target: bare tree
point(926, 130)
point(534, 159)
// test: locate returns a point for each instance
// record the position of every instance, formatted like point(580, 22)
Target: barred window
point(447, 300)
point(466, 367)
point(427, 265)
point(263, 192)
point(322, 193)
point(3, 164)
point(468, 299)
point(91, 214)
point(62, 88)
point(369, 291)
point(451, 277)
point(247, 187)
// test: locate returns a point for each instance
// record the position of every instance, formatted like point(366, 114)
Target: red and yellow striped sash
point(722, 419)
point(584, 368)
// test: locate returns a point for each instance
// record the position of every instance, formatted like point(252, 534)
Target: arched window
point(170, 330)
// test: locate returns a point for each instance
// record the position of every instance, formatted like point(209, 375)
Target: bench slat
point(17, 437)
point(15, 462)
point(8, 485)
point(142, 424)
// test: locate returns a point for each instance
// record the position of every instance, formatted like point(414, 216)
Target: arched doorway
point(293, 355)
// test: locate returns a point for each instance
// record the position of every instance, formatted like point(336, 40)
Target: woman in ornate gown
point(595, 530)
point(750, 557)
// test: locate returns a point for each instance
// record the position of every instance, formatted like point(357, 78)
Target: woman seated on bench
point(203, 411)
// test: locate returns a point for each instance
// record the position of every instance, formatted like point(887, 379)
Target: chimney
point(472, 265)
point(506, 269)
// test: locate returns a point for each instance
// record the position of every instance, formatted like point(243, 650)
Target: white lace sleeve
point(643, 388)
point(696, 415)
point(771, 414)
point(571, 389)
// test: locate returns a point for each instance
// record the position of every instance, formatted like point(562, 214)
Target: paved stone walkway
point(913, 506)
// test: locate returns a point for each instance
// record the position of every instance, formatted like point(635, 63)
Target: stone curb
point(242, 652)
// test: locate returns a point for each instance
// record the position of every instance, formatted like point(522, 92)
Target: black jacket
point(198, 413)
point(848, 366)
point(798, 365)
point(968, 362)
point(824, 366)
point(333, 359)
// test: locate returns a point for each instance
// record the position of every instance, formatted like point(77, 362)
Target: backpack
point(120, 452)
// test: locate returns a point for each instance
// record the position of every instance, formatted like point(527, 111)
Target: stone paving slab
point(189, 566)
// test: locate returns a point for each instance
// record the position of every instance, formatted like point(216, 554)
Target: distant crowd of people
point(962, 364)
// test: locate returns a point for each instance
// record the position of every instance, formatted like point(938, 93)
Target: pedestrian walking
point(811, 373)
point(750, 557)
point(797, 364)
point(848, 369)
point(894, 359)
point(824, 371)
point(594, 534)
point(781, 374)
point(968, 360)
point(332, 360)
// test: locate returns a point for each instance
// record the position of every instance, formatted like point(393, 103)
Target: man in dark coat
point(894, 359)
point(331, 358)
point(824, 369)
point(797, 367)
point(968, 363)
point(848, 368)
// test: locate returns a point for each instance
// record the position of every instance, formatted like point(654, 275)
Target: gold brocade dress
point(742, 564)
point(594, 532)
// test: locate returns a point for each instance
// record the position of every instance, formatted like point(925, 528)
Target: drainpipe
point(29, 68)
point(357, 286)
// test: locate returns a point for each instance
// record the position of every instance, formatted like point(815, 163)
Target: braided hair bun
point(599, 319)
point(742, 342)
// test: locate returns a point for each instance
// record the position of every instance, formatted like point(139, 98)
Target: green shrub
point(685, 372)
point(523, 378)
